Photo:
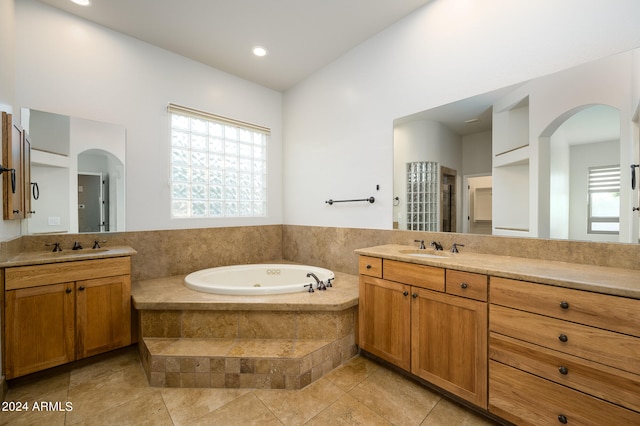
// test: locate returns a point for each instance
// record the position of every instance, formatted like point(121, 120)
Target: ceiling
point(302, 36)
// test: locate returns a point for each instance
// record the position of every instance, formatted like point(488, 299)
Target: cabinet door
point(103, 309)
point(13, 186)
point(385, 319)
point(39, 328)
point(449, 343)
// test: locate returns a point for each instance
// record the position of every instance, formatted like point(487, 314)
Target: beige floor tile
point(295, 407)
point(19, 418)
point(48, 385)
point(347, 411)
point(396, 398)
point(242, 411)
point(447, 413)
point(349, 375)
point(146, 410)
point(95, 367)
point(186, 405)
point(106, 390)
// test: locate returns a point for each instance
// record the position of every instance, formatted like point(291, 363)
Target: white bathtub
point(256, 279)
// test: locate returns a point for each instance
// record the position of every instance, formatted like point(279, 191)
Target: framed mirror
point(524, 157)
point(77, 174)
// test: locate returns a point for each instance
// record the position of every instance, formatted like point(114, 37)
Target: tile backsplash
point(174, 252)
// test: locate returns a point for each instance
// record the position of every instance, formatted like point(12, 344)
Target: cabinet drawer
point(467, 284)
point(371, 266)
point(598, 310)
point(602, 346)
point(604, 382)
point(525, 399)
point(428, 277)
point(53, 273)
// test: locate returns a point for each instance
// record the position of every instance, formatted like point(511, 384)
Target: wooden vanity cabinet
point(407, 319)
point(60, 312)
point(563, 355)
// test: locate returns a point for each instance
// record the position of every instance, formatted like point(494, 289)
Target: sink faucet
point(56, 246)
point(454, 247)
point(422, 247)
point(76, 245)
point(436, 246)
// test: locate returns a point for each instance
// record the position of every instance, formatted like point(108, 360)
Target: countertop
point(599, 279)
point(170, 293)
point(45, 257)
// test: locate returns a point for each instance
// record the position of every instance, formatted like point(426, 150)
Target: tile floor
point(112, 390)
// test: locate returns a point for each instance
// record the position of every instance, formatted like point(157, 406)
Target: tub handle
point(311, 290)
point(329, 282)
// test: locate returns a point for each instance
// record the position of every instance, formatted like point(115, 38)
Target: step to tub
point(240, 363)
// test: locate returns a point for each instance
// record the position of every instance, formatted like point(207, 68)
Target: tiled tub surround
point(286, 341)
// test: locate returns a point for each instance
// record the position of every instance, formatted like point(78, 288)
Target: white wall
point(70, 66)
point(422, 140)
point(8, 228)
point(339, 122)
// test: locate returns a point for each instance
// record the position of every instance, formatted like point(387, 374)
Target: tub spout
point(319, 284)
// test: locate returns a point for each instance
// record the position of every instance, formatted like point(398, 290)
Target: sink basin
point(427, 255)
point(424, 254)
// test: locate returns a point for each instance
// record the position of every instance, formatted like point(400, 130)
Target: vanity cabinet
point(563, 355)
point(60, 312)
point(422, 319)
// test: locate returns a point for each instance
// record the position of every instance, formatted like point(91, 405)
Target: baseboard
point(3, 387)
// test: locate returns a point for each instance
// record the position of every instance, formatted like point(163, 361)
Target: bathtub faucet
point(319, 284)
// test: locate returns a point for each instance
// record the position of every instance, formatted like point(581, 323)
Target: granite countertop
point(599, 279)
point(170, 293)
point(45, 257)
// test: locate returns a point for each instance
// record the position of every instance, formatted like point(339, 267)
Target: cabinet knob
point(68, 291)
point(368, 266)
point(464, 285)
point(414, 295)
point(563, 370)
point(406, 293)
point(562, 419)
point(81, 288)
point(563, 338)
point(564, 305)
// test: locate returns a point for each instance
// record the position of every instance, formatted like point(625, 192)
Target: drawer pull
point(406, 293)
point(563, 338)
point(563, 370)
point(81, 288)
point(68, 291)
point(368, 266)
point(464, 285)
point(562, 419)
point(564, 305)
point(414, 295)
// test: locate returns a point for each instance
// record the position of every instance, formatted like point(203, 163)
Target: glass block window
point(218, 166)
point(604, 200)
point(422, 196)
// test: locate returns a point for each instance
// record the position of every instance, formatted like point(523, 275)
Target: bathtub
point(256, 279)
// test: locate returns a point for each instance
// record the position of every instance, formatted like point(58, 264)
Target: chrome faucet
point(422, 247)
point(454, 247)
point(436, 246)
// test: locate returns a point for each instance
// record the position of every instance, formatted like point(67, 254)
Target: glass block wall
point(422, 196)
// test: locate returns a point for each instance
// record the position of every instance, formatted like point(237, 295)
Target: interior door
point(90, 203)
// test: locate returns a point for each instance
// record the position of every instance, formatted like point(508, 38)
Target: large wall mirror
point(546, 158)
point(77, 174)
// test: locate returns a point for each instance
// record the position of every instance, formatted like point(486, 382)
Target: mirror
point(77, 174)
point(522, 157)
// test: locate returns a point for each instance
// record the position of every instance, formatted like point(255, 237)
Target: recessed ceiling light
point(82, 2)
point(259, 51)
